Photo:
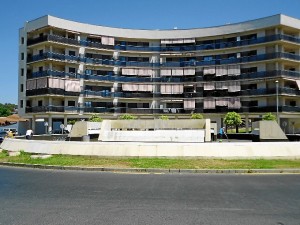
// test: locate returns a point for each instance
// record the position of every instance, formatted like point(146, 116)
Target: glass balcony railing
point(269, 91)
point(201, 47)
point(53, 73)
point(61, 57)
point(73, 109)
point(184, 79)
point(51, 91)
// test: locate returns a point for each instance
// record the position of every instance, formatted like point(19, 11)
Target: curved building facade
point(70, 70)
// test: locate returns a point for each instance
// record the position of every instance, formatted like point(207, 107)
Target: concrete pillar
point(65, 120)
point(50, 101)
point(50, 123)
point(33, 123)
point(276, 66)
point(247, 123)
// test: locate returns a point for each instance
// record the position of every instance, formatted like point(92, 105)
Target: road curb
point(155, 170)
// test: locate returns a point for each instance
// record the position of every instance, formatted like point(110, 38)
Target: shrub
point(127, 117)
point(269, 116)
point(95, 118)
point(164, 117)
point(197, 116)
point(71, 122)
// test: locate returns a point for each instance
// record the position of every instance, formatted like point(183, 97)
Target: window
point(22, 72)
point(292, 103)
point(249, 70)
point(22, 40)
point(40, 103)
point(71, 103)
point(28, 103)
point(72, 70)
point(72, 53)
point(88, 104)
point(41, 52)
point(132, 105)
point(21, 87)
point(208, 58)
point(40, 69)
point(21, 103)
point(22, 56)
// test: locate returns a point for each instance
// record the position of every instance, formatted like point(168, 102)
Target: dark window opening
point(292, 103)
point(40, 103)
point(21, 103)
point(71, 103)
point(249, 70)
point(72, 53)
point(72, 70)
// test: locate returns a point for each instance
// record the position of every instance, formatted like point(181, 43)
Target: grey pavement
point(30, 196)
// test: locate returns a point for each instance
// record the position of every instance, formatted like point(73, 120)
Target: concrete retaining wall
point(155, 136)
point(139, 149)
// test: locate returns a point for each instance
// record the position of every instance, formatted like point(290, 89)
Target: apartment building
point(70, 70)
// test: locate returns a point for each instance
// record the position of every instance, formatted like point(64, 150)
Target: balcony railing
point(269, 91)
point(53, 73)
point(73, 109)
point(211, 46)
point(57, 56)
point(50, 91)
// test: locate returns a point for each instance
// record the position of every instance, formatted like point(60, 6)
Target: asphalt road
point(39, 197)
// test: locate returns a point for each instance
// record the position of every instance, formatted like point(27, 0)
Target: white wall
point(140, 149)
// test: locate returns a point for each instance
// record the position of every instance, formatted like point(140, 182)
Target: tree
point(71, 122)
point(4, 111)
point(197, 116)
point(127, 117)
point(269, 116)
point(233, 119)
point(95, 118)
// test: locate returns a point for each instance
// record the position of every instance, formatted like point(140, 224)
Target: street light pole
point(277, 101)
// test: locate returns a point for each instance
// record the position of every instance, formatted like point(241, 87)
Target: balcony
point(61, 57)
point(50, 91)
point(104, 93)
point(270, 91)
point(202, 47)
point(53, 73)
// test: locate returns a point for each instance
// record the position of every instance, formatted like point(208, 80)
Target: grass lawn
point(163, 163)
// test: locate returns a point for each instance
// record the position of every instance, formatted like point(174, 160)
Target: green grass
point(164, 163)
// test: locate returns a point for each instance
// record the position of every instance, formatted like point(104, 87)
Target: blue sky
point(154, 14)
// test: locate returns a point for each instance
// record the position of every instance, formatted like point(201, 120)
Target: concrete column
point(65, 120)
point(276, 66)
point(247, 122)
point(50, 101)
point(33, 123)
point(50, 123)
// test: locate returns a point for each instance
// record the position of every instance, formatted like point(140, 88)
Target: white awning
point(298, 84)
